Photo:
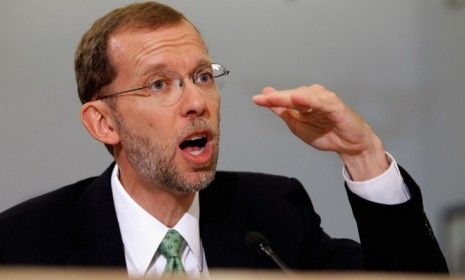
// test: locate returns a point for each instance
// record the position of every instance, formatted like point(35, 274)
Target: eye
point(204, 77)
point(159, 84)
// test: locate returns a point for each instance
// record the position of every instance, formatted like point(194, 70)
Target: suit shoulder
point(251, 176)
point(254, 182)
point(59, 200)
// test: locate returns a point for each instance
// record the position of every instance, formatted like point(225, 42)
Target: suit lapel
point(95, 228)
point(222, 227)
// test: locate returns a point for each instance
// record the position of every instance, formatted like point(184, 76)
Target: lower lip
point(202, 158)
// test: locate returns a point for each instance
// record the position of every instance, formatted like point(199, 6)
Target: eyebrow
point(164, 67)
point(154, 69)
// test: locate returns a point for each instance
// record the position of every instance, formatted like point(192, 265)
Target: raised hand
point(319, 118)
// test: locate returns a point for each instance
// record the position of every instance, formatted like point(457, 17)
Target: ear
point(98, 120)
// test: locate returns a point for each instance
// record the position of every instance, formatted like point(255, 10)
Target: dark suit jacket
point(77, 226)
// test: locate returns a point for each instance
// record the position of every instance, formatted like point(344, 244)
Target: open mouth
point(195, 144)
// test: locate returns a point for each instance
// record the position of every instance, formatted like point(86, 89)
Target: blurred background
point(400, 64)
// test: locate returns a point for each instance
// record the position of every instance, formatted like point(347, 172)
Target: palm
point(319, 118)
point(327, 132)
point(329, 126)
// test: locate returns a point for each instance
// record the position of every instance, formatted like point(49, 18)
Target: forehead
point(174, 46)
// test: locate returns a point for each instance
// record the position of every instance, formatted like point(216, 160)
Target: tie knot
point(171, 244)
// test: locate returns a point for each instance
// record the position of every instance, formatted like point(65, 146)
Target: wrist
point(367, 164)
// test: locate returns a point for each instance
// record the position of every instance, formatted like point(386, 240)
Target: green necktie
point(170, 248)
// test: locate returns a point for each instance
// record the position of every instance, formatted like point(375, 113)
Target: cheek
point(214, 105)
point(165, 125)
point(151, 124)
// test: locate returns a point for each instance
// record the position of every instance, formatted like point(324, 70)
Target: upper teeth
point(197, 137)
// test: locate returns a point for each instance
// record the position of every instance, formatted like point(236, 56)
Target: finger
point(277, 110)
point(262, 100)
point(301, 99)
point(270, 98)
point(267, 90)
point(283, 99)
point(324, 101)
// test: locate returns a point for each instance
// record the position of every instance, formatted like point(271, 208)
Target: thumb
point(290, 117)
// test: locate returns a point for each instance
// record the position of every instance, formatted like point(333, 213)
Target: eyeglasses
point(167, 87)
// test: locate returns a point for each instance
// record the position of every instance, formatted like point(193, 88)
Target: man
point(150, 94)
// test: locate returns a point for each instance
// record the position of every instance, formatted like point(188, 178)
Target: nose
point(192, 100)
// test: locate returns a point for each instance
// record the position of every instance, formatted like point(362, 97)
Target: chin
point(194, 181)
point(200, 180)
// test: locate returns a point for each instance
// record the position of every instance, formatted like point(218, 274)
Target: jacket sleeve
point(397, 237)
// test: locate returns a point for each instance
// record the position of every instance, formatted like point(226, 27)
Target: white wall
point(401, 64)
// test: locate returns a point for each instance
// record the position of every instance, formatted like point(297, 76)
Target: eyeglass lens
point(168, 87)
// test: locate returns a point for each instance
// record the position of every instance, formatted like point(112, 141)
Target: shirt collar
point(142, 233)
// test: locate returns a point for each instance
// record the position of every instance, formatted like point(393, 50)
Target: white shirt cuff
point(387, 188)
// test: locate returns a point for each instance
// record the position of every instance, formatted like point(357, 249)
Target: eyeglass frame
point(191, 77)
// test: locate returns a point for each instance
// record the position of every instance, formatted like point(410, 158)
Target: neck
point(166, 206)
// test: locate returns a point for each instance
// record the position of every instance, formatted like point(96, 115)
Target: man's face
point(173, 147)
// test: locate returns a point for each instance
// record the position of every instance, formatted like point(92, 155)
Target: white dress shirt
point(142, 233)
point(387, 188)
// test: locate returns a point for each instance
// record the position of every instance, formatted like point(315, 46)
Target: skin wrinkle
point(143, 61)
point(153, 169)
point(156, 165)
point(182, 40)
